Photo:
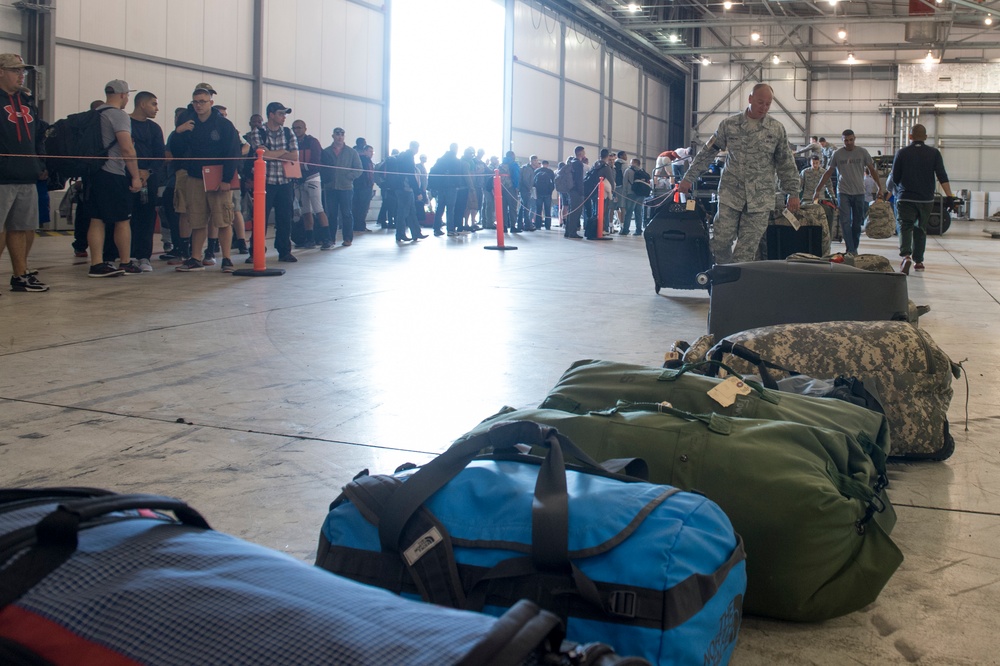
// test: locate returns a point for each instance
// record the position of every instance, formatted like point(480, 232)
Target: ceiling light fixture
point(705, 61)
point(754, 36)
point(727, 5)
point(945, 105)
point(673, 38)
point(850, 59)
point(833, 3)
point(929, 59)
point(988, 20)
point(775, 59)
point(842, 33)
point(632, 7)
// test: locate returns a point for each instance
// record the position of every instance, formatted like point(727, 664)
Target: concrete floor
point(256, 399)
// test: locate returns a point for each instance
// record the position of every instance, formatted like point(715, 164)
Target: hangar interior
point(256, 400)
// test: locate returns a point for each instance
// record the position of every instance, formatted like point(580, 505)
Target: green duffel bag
point(590, 384)
point(814, 549)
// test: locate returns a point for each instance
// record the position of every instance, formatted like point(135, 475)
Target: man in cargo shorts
point(757, 150)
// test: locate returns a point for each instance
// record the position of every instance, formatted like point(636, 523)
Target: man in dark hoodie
point(18, 175)
point(206, 133)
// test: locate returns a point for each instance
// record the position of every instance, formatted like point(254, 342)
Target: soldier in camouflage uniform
point(809, 178)
point(757, 149)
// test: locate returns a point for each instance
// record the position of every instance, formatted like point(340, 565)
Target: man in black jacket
point(18, 175)
point(544, 182)
point(205, 133)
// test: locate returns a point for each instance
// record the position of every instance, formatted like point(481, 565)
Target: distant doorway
point(446, 75)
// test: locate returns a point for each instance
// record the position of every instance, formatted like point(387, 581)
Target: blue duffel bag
point(90, 578)
point(648, 569)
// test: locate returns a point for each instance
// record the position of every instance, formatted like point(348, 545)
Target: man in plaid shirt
point(279, 145)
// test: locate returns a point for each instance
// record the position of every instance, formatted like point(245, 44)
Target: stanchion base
point(267, 272)
point(497, 247)
point(601, 238)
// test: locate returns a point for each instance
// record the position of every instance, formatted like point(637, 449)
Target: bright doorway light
point(441, 92)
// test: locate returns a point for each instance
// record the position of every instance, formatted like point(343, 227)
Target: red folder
point(212, 177)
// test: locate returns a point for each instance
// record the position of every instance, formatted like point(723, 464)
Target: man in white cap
point(110, 189)
point(18, 175)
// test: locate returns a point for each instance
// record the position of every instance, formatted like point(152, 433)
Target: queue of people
point(194, 176)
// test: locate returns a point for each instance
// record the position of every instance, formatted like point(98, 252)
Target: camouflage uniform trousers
point(742, 226)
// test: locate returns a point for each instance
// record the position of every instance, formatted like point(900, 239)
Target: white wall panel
point(583, 59)
point(625, 129)
point(536, 37)
point(231, 47)
point(184, 43)
point(656, 140)
point(280, 24)
point(524, 145)
point(626, 82)
point(536, 101)
point(144, 27)
point(10, 20)
point(68, 19)
point(362, 39)
point(307, 42)
point(657, 99)
point(582, 118)
point(104, 22)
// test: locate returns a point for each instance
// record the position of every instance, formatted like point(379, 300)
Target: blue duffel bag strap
point(425, 546)
point(550, 509)
point(53, 540)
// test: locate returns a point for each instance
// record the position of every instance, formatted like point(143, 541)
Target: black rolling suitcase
point(677, 244)
point(781, 242)
point(765, 293)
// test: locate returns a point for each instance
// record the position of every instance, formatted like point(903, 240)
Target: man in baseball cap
point(277, 106)
point(117, 87)
point(206, 88)
point(13, 61)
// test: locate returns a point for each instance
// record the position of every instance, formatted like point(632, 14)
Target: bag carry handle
point(674, 375)
point(57, 536)
point(550, 510)
point(750, 356)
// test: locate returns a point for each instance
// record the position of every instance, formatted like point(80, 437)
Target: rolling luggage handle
point(57, 534)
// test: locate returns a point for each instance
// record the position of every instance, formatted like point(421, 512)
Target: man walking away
point(913, 171)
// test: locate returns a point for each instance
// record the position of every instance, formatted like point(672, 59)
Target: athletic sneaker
point(104, 270)
point(919, 266)
point(904, 266)
point(227, 265)
point(145, 266)
point(209, 259)
point(130, 268)
point(191, 264)
point(80, 253)
point(27, 283)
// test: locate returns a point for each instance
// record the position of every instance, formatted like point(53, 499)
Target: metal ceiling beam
point(760, 21)
point(816, 48)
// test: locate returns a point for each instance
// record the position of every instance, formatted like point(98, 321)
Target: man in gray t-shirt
point(109, 190)
point(849, 163)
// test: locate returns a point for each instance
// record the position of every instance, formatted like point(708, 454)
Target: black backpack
point(592, 179)
point(74, 145)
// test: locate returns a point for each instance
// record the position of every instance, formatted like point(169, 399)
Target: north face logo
point(424, 543)
point(729, 628)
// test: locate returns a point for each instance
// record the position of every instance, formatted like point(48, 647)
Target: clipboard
point(293, 170)
point(211, 176)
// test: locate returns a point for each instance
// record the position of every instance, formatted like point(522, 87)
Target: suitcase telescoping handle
point(56, 536)
point(550, 510)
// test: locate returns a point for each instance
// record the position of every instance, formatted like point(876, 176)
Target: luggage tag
point(726, 392)
point(790, 216)
point(690, 204)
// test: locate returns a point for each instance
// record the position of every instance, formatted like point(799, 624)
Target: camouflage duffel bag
point(906, 368)
point(881, 221)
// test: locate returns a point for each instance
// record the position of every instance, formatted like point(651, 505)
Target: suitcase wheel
point(702, 279)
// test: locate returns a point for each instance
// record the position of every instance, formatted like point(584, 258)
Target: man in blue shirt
point(913, 171)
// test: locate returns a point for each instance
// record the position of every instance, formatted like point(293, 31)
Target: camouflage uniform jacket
point(810, 179)
point(755, 152)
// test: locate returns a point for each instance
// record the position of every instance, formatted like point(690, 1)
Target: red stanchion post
point(260, 268)
point(498, 205)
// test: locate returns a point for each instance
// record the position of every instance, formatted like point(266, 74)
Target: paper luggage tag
point(726, 392)
point(690, 204)
point(790, 216)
